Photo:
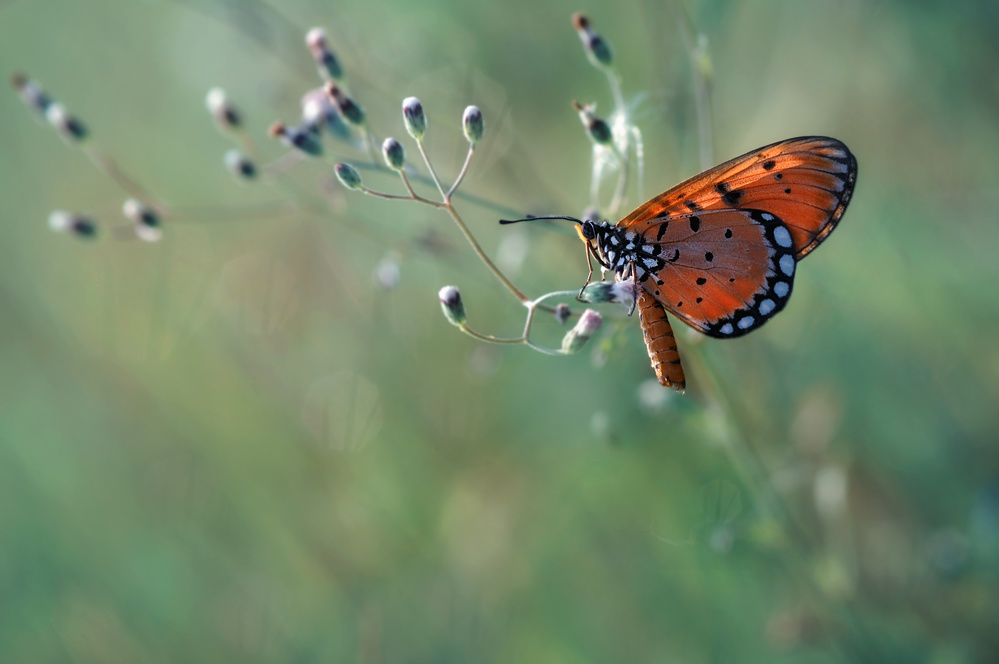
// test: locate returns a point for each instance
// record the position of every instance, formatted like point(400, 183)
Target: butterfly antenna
point(532, 218)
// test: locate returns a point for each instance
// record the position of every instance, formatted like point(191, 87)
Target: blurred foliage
point(238, 445)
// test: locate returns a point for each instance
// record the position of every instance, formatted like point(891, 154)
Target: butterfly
point(719, 251)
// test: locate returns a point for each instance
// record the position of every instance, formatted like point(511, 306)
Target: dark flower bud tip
point(304, 140)
point(31, 93)
point(348, 176)
point(597, 129)
point(75, 224)
point(413, 116)
point(395, 154)
point(68, 126)
point(240, 165)
point(472, 124)
point(452, 306)
point(326, 61)
point(597, 49)
point(225, 114)
point(348, 108)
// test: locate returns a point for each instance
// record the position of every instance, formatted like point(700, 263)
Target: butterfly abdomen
point(660, 342)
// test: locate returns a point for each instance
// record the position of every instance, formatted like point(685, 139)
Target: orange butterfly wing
point(806, 182)
point(723, 272)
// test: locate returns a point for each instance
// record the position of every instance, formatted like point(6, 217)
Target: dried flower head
point(319, 112)
point(597, 49)
point(327, 63)
point(31, 93)
point(596, 127)
point(305, 140)
point(348, 108)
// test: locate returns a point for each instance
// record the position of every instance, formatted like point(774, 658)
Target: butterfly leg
point(589, 263)
point(634, 294)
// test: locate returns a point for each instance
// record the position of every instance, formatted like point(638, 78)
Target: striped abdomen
point(660, 341)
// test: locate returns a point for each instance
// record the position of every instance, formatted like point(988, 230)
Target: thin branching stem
point(517, 293)
point(430, 167)
point(461, 175)
point(488, 337)
point(129, 185)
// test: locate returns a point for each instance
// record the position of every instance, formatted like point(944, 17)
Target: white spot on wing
point(726, 328)
point(766, 306)
point(650, 262)
point(614, 240)
point(782, 236)
point(767, 216)
point(787, 264)
point(647, 248)
point(746, 322)
point(781, 288)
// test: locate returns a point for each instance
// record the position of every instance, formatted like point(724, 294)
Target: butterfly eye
point(588, 231)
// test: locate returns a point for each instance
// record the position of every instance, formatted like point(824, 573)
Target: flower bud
point(318, 111)
point(69, 222)
point(620, 292)
point(144, 219)
point(562, 313)
point(348, 108)
point(304, 140)
point(225, 114)
point(585, 327)
point(597, 129)
point(395, 154)
point(326, 61)
point(68, 126)
point(451, 304)
point(597, 49)
point(472, 123)
point(240, 165)
point(31, 93)
point(348, 176)
point(412, 114)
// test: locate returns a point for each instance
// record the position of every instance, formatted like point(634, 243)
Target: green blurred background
point(238, 445)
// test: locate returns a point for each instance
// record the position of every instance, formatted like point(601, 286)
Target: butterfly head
point(588, 233)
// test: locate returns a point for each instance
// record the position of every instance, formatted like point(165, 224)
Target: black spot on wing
point(733, 197)
point(692, 206)
point(695, 223)
point(662, 230)
point(769, 164)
